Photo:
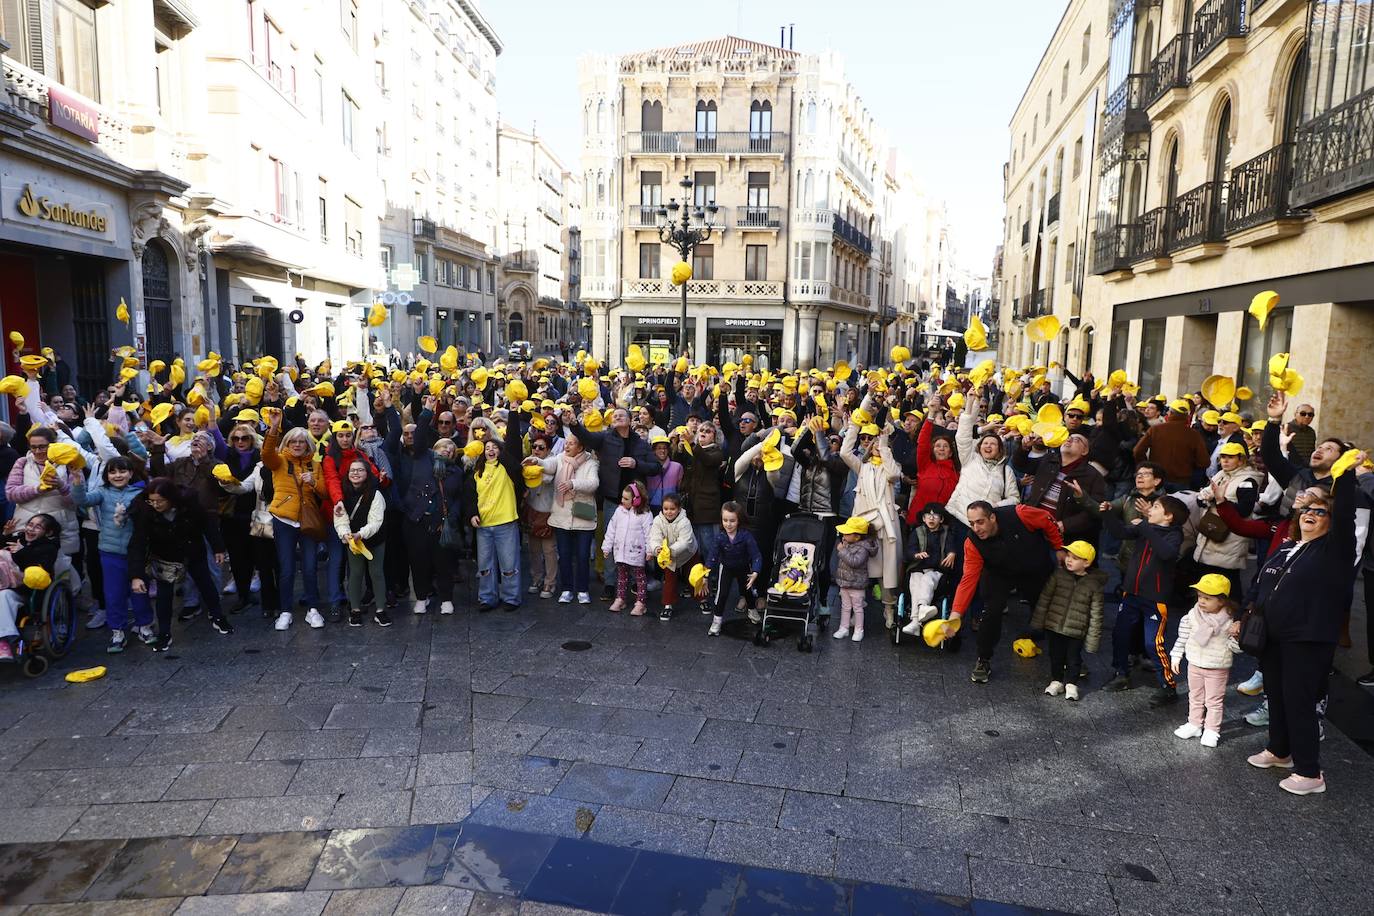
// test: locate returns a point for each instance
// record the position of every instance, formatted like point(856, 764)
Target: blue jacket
point(116, 527)
point(741, 553)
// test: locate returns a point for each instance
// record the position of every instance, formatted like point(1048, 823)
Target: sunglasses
point(368, 426)
point(865, 438)
point(445, 422)
point(1074, 415)
point(1315, 510)
point(539, 448)
point(1306, 413)
point(747, 420)
point(240, 438)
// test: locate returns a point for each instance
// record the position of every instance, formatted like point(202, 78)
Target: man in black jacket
point(624, 458)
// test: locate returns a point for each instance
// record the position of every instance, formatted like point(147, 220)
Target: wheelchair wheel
point(59, 621)
point(35, 666)
point(806, 643)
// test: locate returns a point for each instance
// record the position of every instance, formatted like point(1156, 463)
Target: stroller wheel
point(761, 636)
point(805, 644)
point(35, 666)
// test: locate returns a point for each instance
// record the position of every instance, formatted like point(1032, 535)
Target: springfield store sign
point(54, 209)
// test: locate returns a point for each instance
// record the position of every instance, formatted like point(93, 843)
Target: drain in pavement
point(577, 645)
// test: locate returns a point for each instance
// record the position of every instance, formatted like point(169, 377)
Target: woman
point(937, 473)
point(701, 462)
point(492, 496)
point(339, 453)
point(243, 458)
point(31, 494)
point(669, 480)
point(1239, 484)
point(984, 474)
point(877, 472)
point(359, 517)
point(538, 506)
point(1302, 592)
point(295, 485)
point(572, 514)
point(169, 529)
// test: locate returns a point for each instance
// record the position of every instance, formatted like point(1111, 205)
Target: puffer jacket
point(112, 512)
point(993, 481)
point(852, 569)
point(701, 481)
point(1216, 652)
point(627, 536)
point(287, 490)
point(1072, 606)
point(823, 475)
point(682, 542)
point(1242, 488)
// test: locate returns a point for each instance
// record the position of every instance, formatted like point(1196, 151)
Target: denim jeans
point(118, 595)
point(574, 558)
point(498, 546)
point(190, 592)
point(288, 538)
point(334, 571)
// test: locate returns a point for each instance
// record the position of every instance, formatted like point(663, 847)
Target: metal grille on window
point(157, 303)
point(90, 318)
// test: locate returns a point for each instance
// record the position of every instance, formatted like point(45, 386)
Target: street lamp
point(684, 237)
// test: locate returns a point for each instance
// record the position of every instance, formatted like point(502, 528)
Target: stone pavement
point(339, 771)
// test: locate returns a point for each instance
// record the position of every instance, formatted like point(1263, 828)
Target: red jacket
point(1034, 519)
point(335, 469)
point(935, 480)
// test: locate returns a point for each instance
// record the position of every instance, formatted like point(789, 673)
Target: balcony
point(424, 229)
point(719, 143)
point(1335, 152)
point(856, 174)
point(813, 217)
point(1052, 210)
point(846, 232)
point(1125, 109)
point(1167, 78)
point(1258, 195)
point(521, 262)
point(1146, 240)
point(1219, 28)
point(27, 90)
point(642, 216)
point(1110, 245)
point(809, 291)
point(1194, 223)
point(736, 290)
point(768, 218)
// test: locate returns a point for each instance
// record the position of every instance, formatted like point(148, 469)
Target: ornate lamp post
point(684, 237)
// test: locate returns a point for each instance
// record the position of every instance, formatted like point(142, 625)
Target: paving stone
point(269, 815)
point(163, 867)
point(214, 747)
point(374, 809)
point(608, 785)
point(386, 857)
point(563, 714)
point(1143, 898)
point(39, 824)
point(535, 813)
point(246, 779)
point(505, 737)
point(442, 804)
point(374, 715)
point(83, 752)
point(627, 696)
point(1107, 852)
point(161, 907)
point(541, 687)
point(83, 787)
point(772, 739)
point(639, 829)
point(983, 835)
point(439, 739)
point(713, 706)
point(702, 761)
point(140, 819)
point(423, 901)
point(523, 772)
point(341, 776)
point(372, 901)
point(646, 724)
point(444, 769)
point(1036, 885)
point(70, 724)
point(334, 694)
point(50, 872)
point(496, 706)
point(309, 903)
point(910, 787)
point(756, 805)
point(936, 870)
point(298, 745)
point(395, 742)
point(275, 718)
point(769, 847)
point(845, 817)
point(568, 744)
point(835, 719)
point(809, 773)
point(176, 720)
point(266, 862)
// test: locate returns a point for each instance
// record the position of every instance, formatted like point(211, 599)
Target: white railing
point(28, 91)
point(810, 290)
point(811, 216)
point(600, 287)
point(748, 290)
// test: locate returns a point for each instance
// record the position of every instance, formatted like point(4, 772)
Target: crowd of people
point(948, 494)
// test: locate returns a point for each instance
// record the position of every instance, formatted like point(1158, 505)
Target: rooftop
point(728, 46)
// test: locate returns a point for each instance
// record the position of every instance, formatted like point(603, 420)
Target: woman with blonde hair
point(877, 472)
point(297, 486)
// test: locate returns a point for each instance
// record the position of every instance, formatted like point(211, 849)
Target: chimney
point(791, 27)
point(782, 36)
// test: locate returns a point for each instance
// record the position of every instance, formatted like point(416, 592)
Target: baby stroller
point(47, 627)
point(795, 596)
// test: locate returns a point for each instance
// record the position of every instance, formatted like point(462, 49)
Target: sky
point(943, 78)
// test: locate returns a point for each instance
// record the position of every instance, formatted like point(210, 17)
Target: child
point(933, 551)
point(1206, 637)
point(37, 543)
point(733, 556)
point(671, 527)
point(627, 537)
point(121, 485)
point(853, 552)
point(1070, 611)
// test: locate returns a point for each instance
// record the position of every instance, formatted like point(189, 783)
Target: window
point(651, 116)
point(1342, 67)
point(319, 89)
point(801, 260)
point(706, 127)
point(1151, 353)
point(74, 46)
point(353, 227)
point(348, 19)
point(491, 280)
point(1048, 97)
point(1257, 346)
point(163, 65)
point(822, 261)
point(1077, 156)
point(758, 189)
point(1087, 49)
point(324, 210)
point(703, 188)
point(1064, 82)
point(422, 264)
point(704, 262)
point(756, 262)
point(387, 258)
point(1035, 127)
point(1069, 261)
point(648, 261)
point(650, 197)
point(280, 190)
point(601, 116)
point(760, 126)
point(811, 117)
point(348, 110)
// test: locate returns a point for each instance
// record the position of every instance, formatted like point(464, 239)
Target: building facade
point(1233, 157)
point(784, 148)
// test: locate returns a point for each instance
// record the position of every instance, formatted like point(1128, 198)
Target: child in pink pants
point(1206, 637)
point(853, 552)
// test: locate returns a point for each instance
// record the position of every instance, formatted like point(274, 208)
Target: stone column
point(1188, 353)
point(808, 317)
point(1331, 345)
point(596, 346)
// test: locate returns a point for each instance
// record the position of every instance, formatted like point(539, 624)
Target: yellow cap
point(533, 474)
point(473, 448)
point(1231, 417)
point(1211, 417)
point(1214, 584)
point(697, 575)
point(1083, 550)
point(1025, 648)
point(857, 524)
point(37, 578)
point(1233, 449)
point(1180, 405)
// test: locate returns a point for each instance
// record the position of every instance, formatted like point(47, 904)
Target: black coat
point(175, 540)
point(610, 447)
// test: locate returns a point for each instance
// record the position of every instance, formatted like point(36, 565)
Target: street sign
point(389, 299)
point(403, 299)
point(403, 277)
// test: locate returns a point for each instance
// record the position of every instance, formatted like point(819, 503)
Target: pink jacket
point(627, 536)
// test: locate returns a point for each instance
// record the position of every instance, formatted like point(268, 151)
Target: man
point(1175, 446)
point(1208, 422)
point(1230, 429)
point(1050, 489)
point(1019, 547)
point(1303, 439)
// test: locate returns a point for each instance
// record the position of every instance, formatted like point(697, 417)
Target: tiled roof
point(727, 47)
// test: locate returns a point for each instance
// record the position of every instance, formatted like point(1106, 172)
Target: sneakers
point(96, 620)
point(284, 620)
point(485, 608)
point(982, 670)
point(1259, 716)
point(666, 613)
point(1188, 730)
point(355, 618)
point(231, 589)
point(256, 585)
point(6, 653)
point(1120, 682)
point(446, 608)
point(584, 597)
point(313, 618)
point(534, 589)
point(189, 612)
point(565, 598)
point(162, 643)
point(421, 605)
point(1164, 696)
point(1054, 689)
point(336, 613)
point(617, 606)
point(1071, 691)
point(1303, 785)
point(146, 634)
point(755, 616)
point(546, 594)
point(116, 642)
point(1210, 738)
point(1366, 680)
point(913, 628)
point(926, 612)
point(638, 610)
point(841, 633)
point(857, 637)
point(509, 608)
point(221, 625)
point(381, 618)
point(1255, 685)
point(1267, 761)
point(715, 627)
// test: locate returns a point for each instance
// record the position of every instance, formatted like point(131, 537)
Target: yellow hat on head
point(1258, 426)
point(253, 389)
point(1211, 417)
point(869, 429)
point(29, 361)
point(1180, 405)
point(1083, 550)
point(856, 524)
point(860, 417)
point(1233, 450)
point(341, 426)
point(1231, 417)
point(1214, 584)
point(247, 416)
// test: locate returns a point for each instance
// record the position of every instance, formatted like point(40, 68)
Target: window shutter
point(34, 17)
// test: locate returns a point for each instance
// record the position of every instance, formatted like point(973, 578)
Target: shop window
point(1257, 346)
point(1151, 356)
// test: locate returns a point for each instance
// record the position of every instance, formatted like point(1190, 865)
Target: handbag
point(312, 519)
point(1212, 527)
point(1254, 632)
point(448, 533)
point(167, 570)
point(584, 511)
point(538, 523)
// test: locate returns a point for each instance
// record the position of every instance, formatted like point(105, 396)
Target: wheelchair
point(47, 626)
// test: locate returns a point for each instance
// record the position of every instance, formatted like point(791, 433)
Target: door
point(19, 307)
point(157, 303)
point(89, 316)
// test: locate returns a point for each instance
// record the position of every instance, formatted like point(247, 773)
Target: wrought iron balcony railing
point(850, 234)
point(423, 229)
point(1259, 189)
point(1125, 110)
point(1052, 210)
point(1214, 22)
point(758, 217)
point(1146, 239)
point(1110, 245)
point(1194, 218)
point(1335, 152)
point(1169, 69)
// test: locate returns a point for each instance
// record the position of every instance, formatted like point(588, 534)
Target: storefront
point(657, 335)
point(730, 339)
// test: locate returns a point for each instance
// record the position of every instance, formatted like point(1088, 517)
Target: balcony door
point(1221, 160)
point(650, 197)
point(706, 127)
point(760, 126)
point(651, 127)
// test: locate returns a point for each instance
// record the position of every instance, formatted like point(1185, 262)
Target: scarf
point(568, 467)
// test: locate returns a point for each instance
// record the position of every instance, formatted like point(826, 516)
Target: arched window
point(1059, 171)
point(601, 116)
point(651, 116)
point(811, 117)
point(517, 326)
point(1171, 173)
point(760, 126)
point(586, 119)
point(824, 200)
point(600, 188)
point(809, 190)
point(1221, 157)
point(706, 127)
point(157, 301)
point(1293, 101)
